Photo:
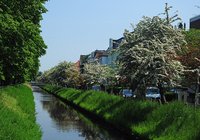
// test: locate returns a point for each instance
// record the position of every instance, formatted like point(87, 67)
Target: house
point(103, 57)
point(113, 44)
point(99, 56)
point(195, 22)
point(112, 53)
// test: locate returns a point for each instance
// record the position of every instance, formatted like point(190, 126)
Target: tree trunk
point(161, 90)
point(140, 92)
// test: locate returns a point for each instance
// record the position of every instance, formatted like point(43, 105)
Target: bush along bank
point(17, 114)
point(147, 119)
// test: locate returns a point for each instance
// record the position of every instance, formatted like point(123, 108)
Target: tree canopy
point(149, 52)
point(99, 74)
point(21, 44)
point(191, 58)
point(64, 74)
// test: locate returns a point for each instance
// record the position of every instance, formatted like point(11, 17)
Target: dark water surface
point(59, 121)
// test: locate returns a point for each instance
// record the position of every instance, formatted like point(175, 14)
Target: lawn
point(17, 114)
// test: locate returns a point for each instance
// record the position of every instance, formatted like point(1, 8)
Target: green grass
point(148, 119)
point(17, 114)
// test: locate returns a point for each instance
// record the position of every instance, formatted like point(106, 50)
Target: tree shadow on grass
point(169, 120)
point(104, 107)
point(130, 113)
point(81, 97)
point(58, 90)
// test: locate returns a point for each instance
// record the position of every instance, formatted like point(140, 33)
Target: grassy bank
point(149, 119)
point(17, 114)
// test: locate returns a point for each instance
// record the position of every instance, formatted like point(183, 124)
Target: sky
point(71, 28)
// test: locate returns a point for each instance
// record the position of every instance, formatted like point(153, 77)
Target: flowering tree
point(99, 74)
point(64, 74)
point(148, 53)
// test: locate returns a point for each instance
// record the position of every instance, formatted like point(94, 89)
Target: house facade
point(195, 22)
point(103, 57)
point(98, 56)
point(112, 53)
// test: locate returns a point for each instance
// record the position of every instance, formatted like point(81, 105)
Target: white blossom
point(148, 52)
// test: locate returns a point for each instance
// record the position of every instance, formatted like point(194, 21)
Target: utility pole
point(167, 12)
point(169, 19)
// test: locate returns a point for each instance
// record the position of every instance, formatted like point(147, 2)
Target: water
point(59, 121)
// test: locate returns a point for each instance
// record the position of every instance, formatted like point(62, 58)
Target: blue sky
point(74, 27)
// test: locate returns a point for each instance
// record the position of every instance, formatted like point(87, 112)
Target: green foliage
point(193, 38)
point(52, 88)
point(17, 114)
point(149, 119)
point(191, 58)
point(20, 42)
point(1, 72)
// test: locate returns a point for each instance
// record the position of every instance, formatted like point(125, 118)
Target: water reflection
point(59, 121)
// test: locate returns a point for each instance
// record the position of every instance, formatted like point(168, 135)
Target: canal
point(59, 121)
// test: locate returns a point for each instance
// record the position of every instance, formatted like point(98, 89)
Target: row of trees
point(139, 65)
point(21, 44)
point(153, 53)
point(64, 74)
point(68, 74)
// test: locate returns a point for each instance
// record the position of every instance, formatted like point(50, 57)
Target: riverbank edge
point(17, 113)
point(170, 121)
point(125, 131)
